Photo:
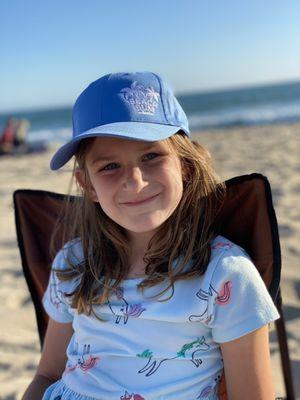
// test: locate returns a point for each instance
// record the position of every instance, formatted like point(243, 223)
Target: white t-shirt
point(155, 350)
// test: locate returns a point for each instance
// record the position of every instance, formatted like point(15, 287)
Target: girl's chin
point(143, 227)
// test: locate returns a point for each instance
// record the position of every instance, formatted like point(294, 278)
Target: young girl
point(146, 301)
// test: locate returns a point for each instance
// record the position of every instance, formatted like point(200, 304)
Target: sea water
point(246, 106)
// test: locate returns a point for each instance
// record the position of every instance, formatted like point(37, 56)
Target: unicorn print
point(131, 396)
point(191, 350)
point(222, 245)
point(55, 293)
point(85, 362)
point(221, 298)
point(210, 391)
point(124, 310)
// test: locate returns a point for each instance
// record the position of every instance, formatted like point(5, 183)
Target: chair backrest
point(247, 217)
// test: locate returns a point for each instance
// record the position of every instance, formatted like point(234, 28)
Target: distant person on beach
point(13, 138)
point(7, 136)
point(21, 133)
point(145, 299)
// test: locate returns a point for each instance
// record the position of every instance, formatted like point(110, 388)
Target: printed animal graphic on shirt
point(222, 245)
point(55, 294)
point(221, 298)
point(191, 350)
point(131, 396)
point(85, 362)
point(126, 310)
point(210, 391)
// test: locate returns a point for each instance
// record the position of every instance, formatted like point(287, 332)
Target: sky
point(51, 50)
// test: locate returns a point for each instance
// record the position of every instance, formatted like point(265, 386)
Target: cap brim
point(127, 130)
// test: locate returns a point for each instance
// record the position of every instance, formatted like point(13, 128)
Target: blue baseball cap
point(137, 106)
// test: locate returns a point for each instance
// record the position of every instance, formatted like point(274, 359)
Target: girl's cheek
point(103, 178)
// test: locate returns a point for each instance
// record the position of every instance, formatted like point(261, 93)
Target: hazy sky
point(50, 50)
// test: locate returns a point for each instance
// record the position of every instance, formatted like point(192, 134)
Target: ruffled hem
point(60, 391)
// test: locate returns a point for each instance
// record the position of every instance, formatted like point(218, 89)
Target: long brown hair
point(183, 237)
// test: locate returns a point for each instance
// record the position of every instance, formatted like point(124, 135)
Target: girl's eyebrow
point(104, 158)
point(114, 156)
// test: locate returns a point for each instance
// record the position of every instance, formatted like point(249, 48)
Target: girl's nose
point(133, 178)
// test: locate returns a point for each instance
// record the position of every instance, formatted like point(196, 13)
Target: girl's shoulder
point(220, 245)
point(65, 276)
point(71, 254)
point(229, 266)
point(235, 297)
point(228, 257)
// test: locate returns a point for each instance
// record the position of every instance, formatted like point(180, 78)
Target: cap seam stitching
point(101, 110)
point(162, 102)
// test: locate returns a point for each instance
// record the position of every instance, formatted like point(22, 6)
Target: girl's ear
point(87, 187)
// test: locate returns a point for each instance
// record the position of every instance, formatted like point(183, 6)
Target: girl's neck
point(139, 244)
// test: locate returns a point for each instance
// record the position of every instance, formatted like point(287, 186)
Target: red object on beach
point(8, 133)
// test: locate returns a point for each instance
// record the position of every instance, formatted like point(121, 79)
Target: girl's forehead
point(101, 145)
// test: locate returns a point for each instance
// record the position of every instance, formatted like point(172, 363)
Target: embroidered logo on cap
point(143, 99)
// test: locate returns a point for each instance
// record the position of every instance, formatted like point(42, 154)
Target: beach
point(272, 150)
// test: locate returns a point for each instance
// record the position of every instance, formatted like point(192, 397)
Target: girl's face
point(138, 184)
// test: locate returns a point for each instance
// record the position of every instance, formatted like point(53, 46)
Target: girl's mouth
point(148, 200)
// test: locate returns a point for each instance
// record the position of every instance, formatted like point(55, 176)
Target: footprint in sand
point(285, 231)
point(293, 250)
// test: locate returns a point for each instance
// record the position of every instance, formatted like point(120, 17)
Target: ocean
point(257, 105)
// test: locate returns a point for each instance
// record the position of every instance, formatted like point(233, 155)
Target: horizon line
point(218, 89)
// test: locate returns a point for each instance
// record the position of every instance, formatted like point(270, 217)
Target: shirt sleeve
point(56, 304)
point(239, 301)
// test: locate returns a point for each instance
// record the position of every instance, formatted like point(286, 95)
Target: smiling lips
point(141, 201)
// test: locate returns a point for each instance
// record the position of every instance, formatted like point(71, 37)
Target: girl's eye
point(108, 167)
point(112, 166)
point(150, 156)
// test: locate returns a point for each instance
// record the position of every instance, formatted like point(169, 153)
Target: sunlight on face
point(138, 184)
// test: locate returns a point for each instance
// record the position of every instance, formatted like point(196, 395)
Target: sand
point(271, 150)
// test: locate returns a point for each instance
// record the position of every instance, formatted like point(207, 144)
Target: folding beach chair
point(246, 217)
